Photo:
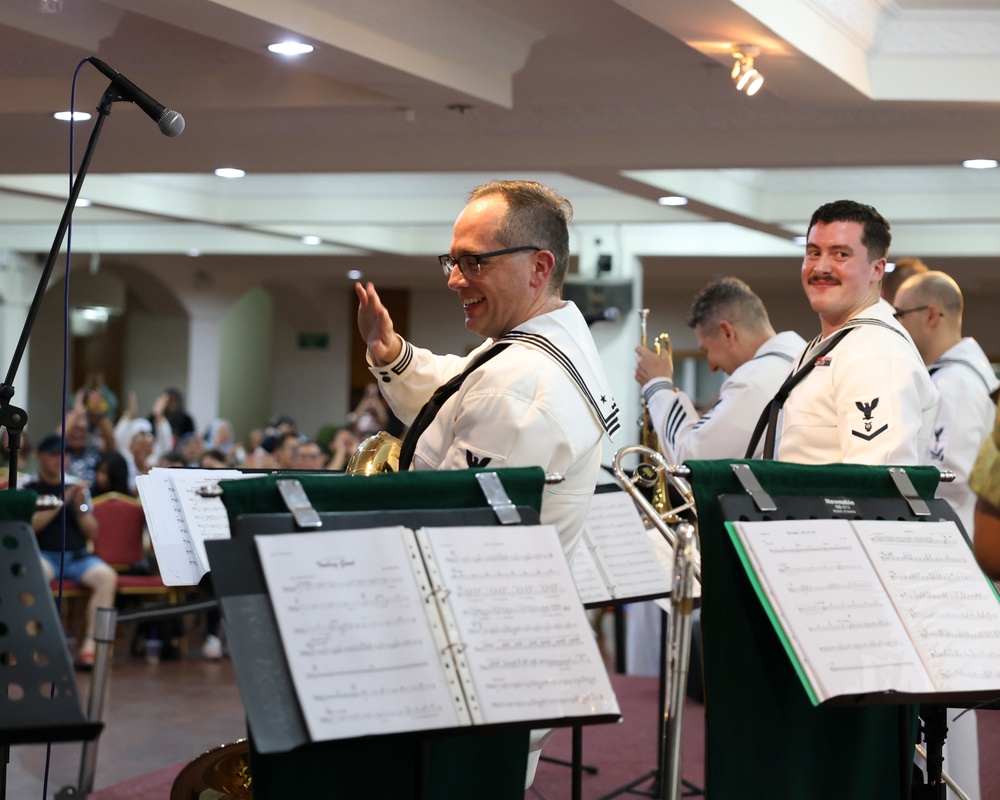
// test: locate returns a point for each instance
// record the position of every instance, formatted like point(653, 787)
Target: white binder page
point(590, 584)
point(206, 517)
point(833, 607)
point(176, 555)
point(526, 638)
point(355, 632)
point(942, 597)
point(615, 530)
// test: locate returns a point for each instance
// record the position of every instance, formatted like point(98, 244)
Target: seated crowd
point(104, 456)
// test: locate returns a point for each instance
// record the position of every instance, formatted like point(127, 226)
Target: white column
point(19, 277)
point(205, 323)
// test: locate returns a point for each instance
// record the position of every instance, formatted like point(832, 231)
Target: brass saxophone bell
point(378, 453)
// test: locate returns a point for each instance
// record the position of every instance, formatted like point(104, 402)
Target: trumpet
point(647, 433)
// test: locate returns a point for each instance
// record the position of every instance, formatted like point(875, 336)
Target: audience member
point(733, 329)
point(83, 450)
point(370, 415)
point(214, 459)
point(79, 564)
point(172, 458)
point(309, 455)
point(893, 279)
point(176, 414)
point(220, 437)
point(141, 440)
point(288, 446)
point(342, 446)
point(192, 446)
point(868, 398)
point(111, 475)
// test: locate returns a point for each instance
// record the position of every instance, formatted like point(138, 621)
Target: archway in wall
point(124, 324)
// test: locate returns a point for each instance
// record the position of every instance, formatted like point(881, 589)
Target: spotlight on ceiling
point(746, 77)
point(289, 48)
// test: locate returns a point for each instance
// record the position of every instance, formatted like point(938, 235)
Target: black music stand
point(577, 744)
point(39, 701)
point(751, 687)
point(283, 759)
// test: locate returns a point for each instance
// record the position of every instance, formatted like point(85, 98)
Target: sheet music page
point(943, 598)
point(834, 610)
point(529, 646)
point(622, 548)
point(206, 517)
point(355, 632)
point(176, 554)
point(590, 585)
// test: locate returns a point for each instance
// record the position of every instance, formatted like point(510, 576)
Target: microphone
point(607, 315)
point(170, 122)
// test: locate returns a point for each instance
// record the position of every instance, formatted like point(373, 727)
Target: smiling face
point(838, 278)
point(509, 289)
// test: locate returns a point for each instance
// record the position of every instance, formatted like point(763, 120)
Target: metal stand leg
point(104, 636)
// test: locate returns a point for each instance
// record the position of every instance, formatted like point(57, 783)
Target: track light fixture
point(746, 77)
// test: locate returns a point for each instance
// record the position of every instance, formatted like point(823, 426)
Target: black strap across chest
point(769, 416)
point(430, 409)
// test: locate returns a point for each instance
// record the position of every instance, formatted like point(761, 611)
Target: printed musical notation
point(617, 558)
point(180, 519)
point(389, 630)
point(916, 614)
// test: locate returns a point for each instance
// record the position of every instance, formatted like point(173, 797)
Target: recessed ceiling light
point(82, 202)
point(980, 163)
point(311, 240)
point(230, 172)
point(71, 116)
point(672, 200)
point(290, 48)
point(890, 266)
point(194, 252)
point(354, 274)
point(800, 240)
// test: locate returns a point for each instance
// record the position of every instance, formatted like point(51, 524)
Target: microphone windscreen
point(171, 123)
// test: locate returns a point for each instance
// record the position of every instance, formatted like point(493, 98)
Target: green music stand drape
point(764, 739)
point(487, 766)
point(17, 505)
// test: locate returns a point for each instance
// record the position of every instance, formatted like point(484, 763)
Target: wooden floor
point(160, 716)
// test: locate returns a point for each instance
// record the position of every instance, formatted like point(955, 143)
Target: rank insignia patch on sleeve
point(868, 420)
point(474, 461)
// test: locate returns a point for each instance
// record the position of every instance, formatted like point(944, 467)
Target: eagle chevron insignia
point(866, 409)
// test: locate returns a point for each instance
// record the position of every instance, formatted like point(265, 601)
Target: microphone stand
point(11, 417)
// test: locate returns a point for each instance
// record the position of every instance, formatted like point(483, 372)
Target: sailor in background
point(930, 307)
point(733, 329)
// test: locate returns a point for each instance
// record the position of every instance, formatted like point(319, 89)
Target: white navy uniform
point(725, 430)
point(870, 400)
point(965, 418)
point(965, 379)
point(544, 401)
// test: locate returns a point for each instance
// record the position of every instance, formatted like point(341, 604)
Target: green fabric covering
point(390, 491)
point(17, 505)
point(486, 766)
point(764, 739)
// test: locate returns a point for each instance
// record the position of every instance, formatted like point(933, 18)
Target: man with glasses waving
point(534, 393)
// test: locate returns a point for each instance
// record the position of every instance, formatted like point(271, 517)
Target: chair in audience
point(120, 543)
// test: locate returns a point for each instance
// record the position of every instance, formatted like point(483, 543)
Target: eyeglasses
point(903, 312)
point(473, 262)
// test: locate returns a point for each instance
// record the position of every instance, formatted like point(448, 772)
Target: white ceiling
point(372, 141)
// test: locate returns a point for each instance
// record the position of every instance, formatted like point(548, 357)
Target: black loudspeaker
point(595, 297)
